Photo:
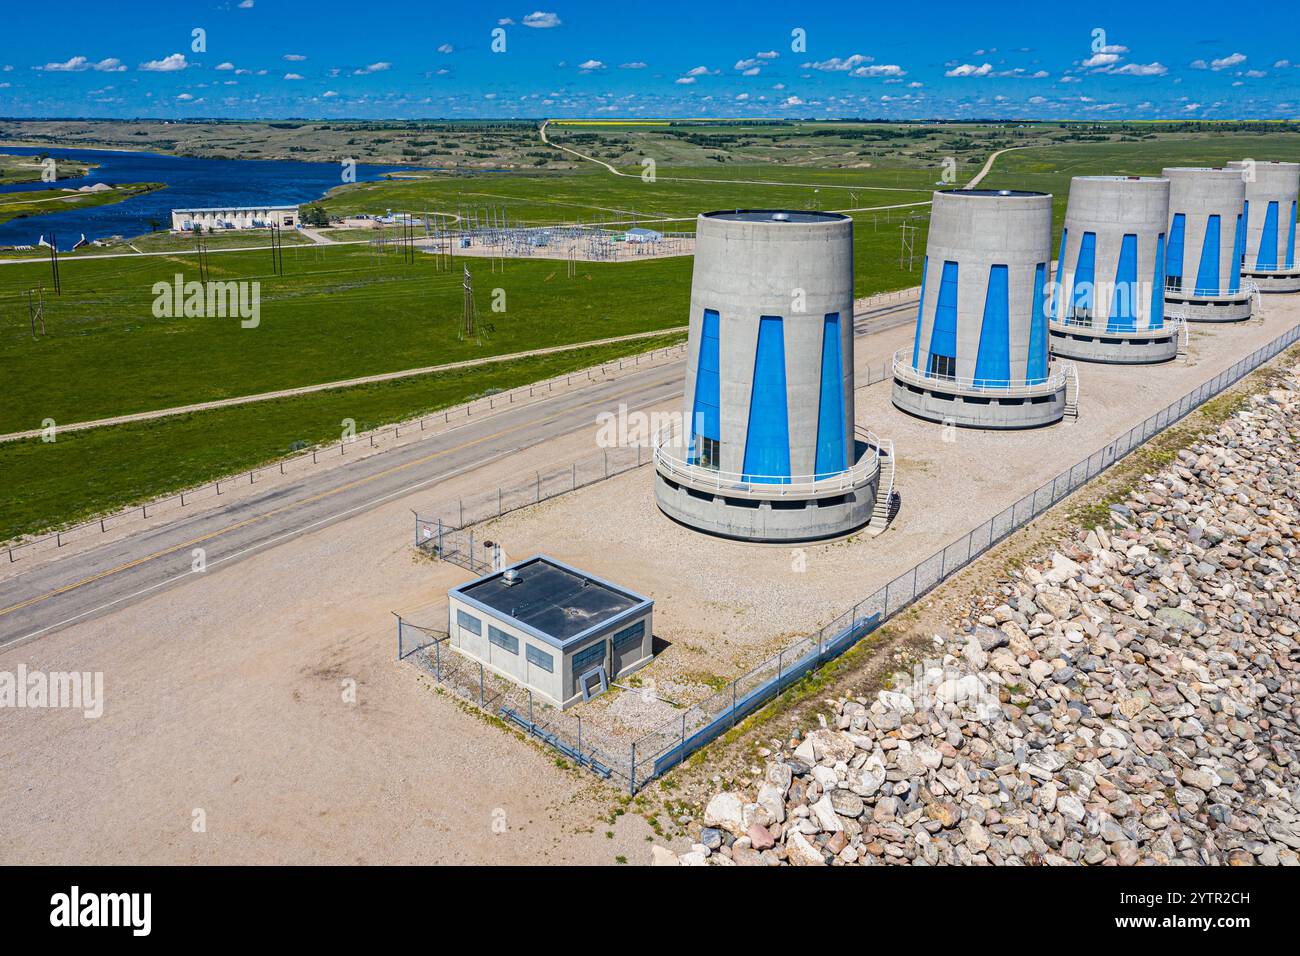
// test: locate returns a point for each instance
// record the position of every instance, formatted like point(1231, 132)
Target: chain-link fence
point(428, 648)
point(635, 762)
point(530, 489)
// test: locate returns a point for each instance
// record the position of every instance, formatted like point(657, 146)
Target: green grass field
point(333, 316)
point(101, 470)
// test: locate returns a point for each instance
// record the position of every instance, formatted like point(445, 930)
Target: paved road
point(73, 589)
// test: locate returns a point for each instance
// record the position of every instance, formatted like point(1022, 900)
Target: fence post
point(399, 637)
point(461, 522)
point(631, 772)
point(780, 655)
point(530, 706)
point(480, 677)
point(539, 487)
point(579, 716)
point(437, 660)
point(681, 754)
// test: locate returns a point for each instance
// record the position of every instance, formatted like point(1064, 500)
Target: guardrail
point(1057, 376)
point(766, 485)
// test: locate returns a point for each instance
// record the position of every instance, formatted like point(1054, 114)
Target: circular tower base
point(1114, 348)
point(1194, 308)
point(1274, 281)
point(949, 403)
point(713, 502)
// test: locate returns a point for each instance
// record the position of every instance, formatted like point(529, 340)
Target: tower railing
point(669, 461)
point(1052, 382)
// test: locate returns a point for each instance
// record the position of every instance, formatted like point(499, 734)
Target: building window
point(942, 366)
point(629, 635)
point(469, 622)
point(708, 452)
point(507, 642)
point(589, 657)
point(539, 659)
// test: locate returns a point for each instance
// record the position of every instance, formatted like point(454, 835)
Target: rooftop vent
point(780, 216)
point(510, 577)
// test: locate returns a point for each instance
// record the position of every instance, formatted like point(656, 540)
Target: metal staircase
point(884, 509)
point(1071, 392)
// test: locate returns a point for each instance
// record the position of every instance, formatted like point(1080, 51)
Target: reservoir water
point(190, 183)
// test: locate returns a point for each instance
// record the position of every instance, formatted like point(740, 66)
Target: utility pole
point(467, 310)
point(907, 249)
point(54, 263)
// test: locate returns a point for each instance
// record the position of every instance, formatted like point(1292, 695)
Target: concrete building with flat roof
point(1271, 192)
point(767, 448)
point(1109, 297)
point(217, 218)
point(560, 632)
point(1207, 242)
point(980, 356)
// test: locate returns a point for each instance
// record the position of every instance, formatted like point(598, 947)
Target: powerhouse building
point(1108, 301)
point(767, 448)
point(1270, 214)
point(551, 628)
point(1207, 242)
point(215, 218)
point(980, 357)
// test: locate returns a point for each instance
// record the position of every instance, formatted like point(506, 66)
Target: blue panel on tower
point(1036, 365)
point(1238, 253)
point(1123, 302)
point(1267, 258)
point(1157, 287)
point(1207, 276)
point(830, 412)
point(993, 361)
point(1085, 276)
point(1290, 240)
point(1058, 306)
point(1174, 258)
point(767, 442)
point(920, 313)
point(943, 337)
point(705, 418)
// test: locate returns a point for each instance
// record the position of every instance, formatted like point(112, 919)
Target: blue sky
point(282, 58)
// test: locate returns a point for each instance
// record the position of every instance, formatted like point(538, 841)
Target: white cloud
point(589, 66)
point(330, 93)
point(837, 65)
point(700, 71)
point(880, 69)
point(294, 57)
point(168, 64)
point(634, 65)
point(768, 55)
point(741, 97)
point(293, 76)
point(379, 67)
point(185, 96)
point(541, 21)
point(1100, 59)
point(1141, 69)
point(969, 69)
point(226, 66)
point(1232, 59)
point(246, 4)
point(446, 48)
point(1256, 74)
point(793, 101)
point(78, 64)
point(685, 80)
point(1281, 64)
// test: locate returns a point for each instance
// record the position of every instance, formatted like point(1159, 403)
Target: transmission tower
point(467, 312)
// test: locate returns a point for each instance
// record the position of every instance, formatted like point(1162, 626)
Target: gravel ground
point(225, 695)
point(1127, 697)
